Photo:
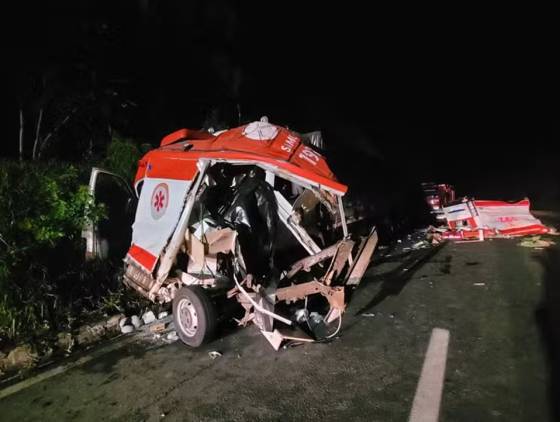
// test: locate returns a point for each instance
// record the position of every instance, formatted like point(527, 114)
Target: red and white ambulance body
point(213, 213)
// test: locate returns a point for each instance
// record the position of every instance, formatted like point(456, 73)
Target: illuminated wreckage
point(252, 215)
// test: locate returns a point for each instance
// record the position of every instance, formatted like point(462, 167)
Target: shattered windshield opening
point(238, 198)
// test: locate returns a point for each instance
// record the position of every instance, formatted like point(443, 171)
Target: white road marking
point(427, 400)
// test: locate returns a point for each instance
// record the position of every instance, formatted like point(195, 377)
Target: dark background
point(466, 96)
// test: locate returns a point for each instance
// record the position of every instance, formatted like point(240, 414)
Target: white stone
point(162, 315)
point(123, 322)
point(148, 317)
point(126, 329)
point(136, 321)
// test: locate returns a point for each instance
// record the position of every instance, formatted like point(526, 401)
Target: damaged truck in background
point(251, 215)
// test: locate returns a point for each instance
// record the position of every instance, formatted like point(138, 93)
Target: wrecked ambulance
point(469, 219)
point(251, 215)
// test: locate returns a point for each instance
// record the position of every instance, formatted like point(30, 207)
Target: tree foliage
point(44, 207)
point(123, 155)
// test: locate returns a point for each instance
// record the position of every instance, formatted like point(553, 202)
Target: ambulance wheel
point(194, 315)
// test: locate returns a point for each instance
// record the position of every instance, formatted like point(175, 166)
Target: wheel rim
point(188, 318)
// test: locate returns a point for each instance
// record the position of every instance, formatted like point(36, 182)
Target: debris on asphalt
point(368, 314)
point(148, 317)
point(172, 336)
point(157, 327)
point(479, 284)
point(536, 242)
point(423, 238)
point(293, 343)
point(214, 354)
point(162, 315)
point(421, 245)
point(434, 235)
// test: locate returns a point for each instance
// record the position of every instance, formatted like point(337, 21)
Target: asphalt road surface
point(495, 298)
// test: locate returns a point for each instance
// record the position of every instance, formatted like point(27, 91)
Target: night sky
point(465, 96)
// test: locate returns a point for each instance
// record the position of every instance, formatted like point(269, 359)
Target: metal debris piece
point(276, 337)
point(363, 259)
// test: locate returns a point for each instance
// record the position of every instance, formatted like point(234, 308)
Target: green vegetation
point(45, 283)
point(123, 155)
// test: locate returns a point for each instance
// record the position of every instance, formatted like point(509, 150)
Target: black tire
point(194, 316)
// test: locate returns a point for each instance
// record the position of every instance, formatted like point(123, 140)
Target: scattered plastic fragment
point(536, 242)
point(214, 354)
